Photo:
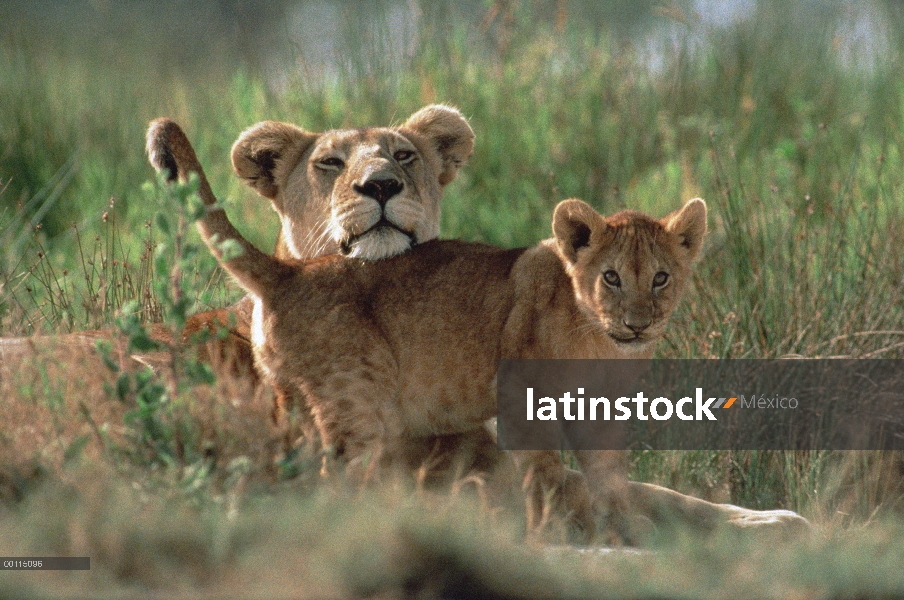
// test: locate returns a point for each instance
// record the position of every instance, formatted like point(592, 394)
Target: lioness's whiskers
point(315, 246)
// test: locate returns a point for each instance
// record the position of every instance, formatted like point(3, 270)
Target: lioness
point(409, 346)
point(329, 192)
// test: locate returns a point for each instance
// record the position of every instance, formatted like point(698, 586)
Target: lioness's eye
point(403, 156)
point(330, 163)
point(660, 279)
point(612, 278)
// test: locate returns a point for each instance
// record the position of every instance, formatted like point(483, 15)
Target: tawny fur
point(313, 181)
point(408, 347)
point(280, 161)
point(322, 210)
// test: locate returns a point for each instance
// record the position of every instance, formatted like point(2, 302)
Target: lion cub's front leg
point(354, 404)
point(554, 493)
point(594, 502)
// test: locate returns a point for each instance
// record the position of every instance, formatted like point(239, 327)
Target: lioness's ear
point(573, 222)
point(450, 134)
point(689, 223)
point(262, 148)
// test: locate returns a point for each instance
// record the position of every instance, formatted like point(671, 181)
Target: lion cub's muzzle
point(636, 334)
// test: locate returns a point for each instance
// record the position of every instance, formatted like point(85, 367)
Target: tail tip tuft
point(160, 146)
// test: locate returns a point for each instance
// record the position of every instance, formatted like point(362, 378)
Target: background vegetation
point(785, 116)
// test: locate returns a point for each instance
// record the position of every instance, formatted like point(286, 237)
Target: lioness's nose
point(379, 188)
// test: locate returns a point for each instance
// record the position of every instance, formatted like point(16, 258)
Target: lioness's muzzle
point(345, 246)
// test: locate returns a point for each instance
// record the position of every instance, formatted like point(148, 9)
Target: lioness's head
point(370, 193)
point(629, 270)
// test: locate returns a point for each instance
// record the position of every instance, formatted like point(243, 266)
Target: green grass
point(798, 158)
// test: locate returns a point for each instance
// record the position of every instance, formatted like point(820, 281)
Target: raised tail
point(171, 153)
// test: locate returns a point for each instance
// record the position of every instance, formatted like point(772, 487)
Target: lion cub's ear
point(689, 223)
point(263, 148)
point(573, 223)
point(450, 134)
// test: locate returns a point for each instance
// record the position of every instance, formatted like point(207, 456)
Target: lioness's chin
point(378, 243)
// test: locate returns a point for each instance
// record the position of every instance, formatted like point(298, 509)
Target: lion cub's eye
point(330, 163)
point(660, 279)
point(404, 156)
point(612, 278)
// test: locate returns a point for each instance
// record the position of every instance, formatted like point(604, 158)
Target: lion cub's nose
point(636, 325)
point(380, 189)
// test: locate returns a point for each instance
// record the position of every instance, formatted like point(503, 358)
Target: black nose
point(636, 326)
point(380, 190)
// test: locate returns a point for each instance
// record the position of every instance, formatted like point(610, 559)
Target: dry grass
point(177, 486)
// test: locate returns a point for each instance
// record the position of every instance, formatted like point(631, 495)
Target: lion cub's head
point(629, 270)
point(369, 193)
